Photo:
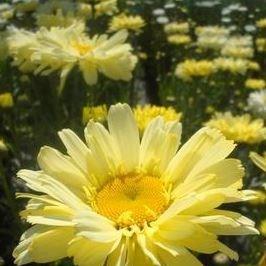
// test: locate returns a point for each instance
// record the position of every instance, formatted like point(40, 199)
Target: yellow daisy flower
point(255, 84)
point(6, 100)
point(235, 66)
point(179, 39)
point(144, 115)
point(176, 27)
point(261, 44)
point(190, 69)
point(61, 49)
point(261, 23)
point(55, 20)
point(96, 113)
point(117, 200)
point(134, 23)
point(61, 13)
point(238, 47)
point(240, 128)
point(105, 7)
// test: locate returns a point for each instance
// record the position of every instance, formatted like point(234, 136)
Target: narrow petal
point(222, 225)
point(86, 252)
point(75, 148)
point(159, 144)
point(124, 131)
point(148, 248)
point(260, 161)
point(118, 256)
point(103, 148)
point(43, 183)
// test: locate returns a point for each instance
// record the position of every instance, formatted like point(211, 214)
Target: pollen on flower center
point(132, 200)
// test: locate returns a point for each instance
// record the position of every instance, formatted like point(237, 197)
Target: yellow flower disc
point(132, 200)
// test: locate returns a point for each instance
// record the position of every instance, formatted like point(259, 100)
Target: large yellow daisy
point(119, 200)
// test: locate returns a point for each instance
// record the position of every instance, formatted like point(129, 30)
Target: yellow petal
point(44, 246)
point(205, 148)
point(89, 71)
point(186, 259)
point(148, 248)
point(195, 204)
point(126, 137)
point(48, 215)
point(50, 186)
point(159, 144)
point(75, 148)
point(260, 161)
point(222, 225)
point(86, 252)
point(103, 148)
point(228, 172)
point(54, 163)
point(119, 255)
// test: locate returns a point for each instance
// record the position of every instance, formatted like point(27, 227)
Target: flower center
point(132, 200)
point(81, 48)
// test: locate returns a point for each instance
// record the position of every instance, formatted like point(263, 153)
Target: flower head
point(119, 200)
point(190, 69)
point(238, 47)
point(261, 23)
point(235, 65)
point(6, 12)
point(257, 103)
point(61, 13)
point(176, 28)
point(255, 84)
point(134, 23)
point(96, 113)
point(144, 115)
point(261, 44)
point(6, 100)
point(179, 39)
point(106, 7)
point(240, 128)
point(61, 49)
point(212, 37)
